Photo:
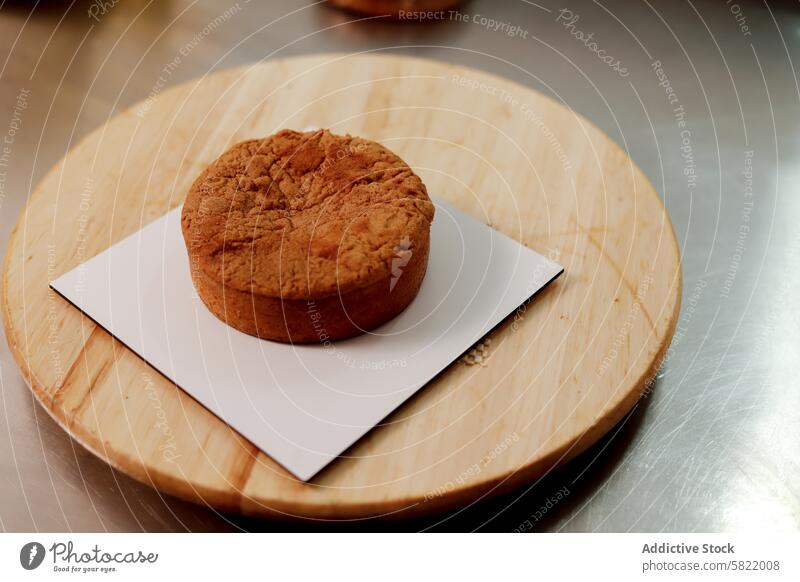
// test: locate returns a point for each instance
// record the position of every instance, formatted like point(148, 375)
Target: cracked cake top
point(304, 215)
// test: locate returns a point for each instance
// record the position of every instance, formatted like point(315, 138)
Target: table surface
point(702, 95)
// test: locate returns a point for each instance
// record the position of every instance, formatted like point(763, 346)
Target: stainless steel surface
point(714, 447)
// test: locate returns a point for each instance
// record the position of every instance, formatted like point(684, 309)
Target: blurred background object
point(396, 8)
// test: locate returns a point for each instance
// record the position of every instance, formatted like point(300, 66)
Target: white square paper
point(305, 404)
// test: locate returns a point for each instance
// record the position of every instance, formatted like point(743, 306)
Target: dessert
point(401, 9)
point(307, 237)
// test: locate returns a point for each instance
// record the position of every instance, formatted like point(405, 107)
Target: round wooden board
point(559, 373)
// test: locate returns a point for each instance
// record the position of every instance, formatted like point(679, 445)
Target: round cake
point(307, 237)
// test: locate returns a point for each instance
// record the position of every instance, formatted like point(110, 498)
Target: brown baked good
point(307, 237)
point(402, 9)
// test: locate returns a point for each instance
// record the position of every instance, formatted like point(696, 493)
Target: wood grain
point(559, 373)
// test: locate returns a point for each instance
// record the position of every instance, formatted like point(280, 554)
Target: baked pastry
point(307, 237)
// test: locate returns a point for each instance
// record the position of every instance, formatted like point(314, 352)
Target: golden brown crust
point(296, 228)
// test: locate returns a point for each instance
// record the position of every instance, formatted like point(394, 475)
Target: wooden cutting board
point(551, 380)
